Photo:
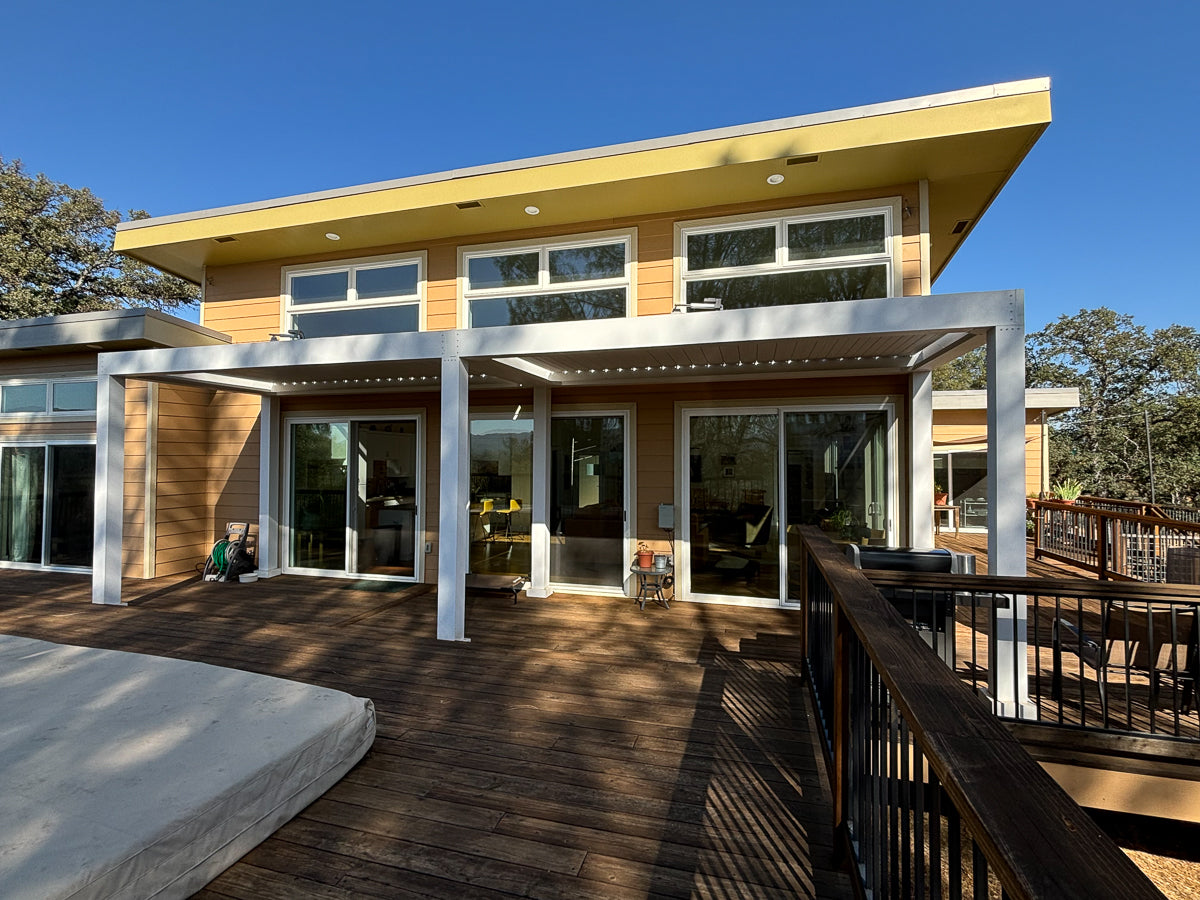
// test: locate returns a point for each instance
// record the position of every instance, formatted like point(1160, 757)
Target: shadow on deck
point(575, 747)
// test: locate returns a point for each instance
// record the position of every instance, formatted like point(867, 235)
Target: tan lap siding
point(244, 300)
point(133, 535)
point(233, 460)
point(183, 530)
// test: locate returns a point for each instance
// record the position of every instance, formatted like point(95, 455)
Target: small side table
point(952, 518)
point(652, 584)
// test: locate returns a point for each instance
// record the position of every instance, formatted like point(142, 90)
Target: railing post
point(1102, 546)
point(840, 776)
point(1037, 530)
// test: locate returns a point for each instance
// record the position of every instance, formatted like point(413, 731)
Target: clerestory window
point(837, 253)
point(585, 277)
point(358, 296)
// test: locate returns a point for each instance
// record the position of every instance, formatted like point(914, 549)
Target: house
point(960, 446)
point(696, 342)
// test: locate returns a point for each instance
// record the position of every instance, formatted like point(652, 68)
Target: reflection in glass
point(732, 475)
point(506, 270)
point(965, 478)
point(23, 398)
point(837, 472)
point(572, 307)
point(72, 507)
point(328, 287)
point(722, 249)
point(375, 320)
point(836, 237)
point(386, 281)
point(318, 501)
point(587, 263)
point(789, 288)
point(587, 500)
point(22, 484)
point(74, 396)
point(385, 507)
point(501, 489)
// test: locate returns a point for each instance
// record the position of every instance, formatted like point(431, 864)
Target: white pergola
point(900, 335)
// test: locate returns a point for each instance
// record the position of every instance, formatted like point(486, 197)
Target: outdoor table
point(652, 583)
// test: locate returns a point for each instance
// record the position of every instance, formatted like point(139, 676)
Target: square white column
point(920, 460)
point(1009, 669)
point(270, 557)
point(110, 490)
point(539, 534)
point(453, 518)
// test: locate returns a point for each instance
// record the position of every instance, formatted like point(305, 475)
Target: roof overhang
point(1048, 400)
point(865, 337)
point(103, 331)
point(963, 144)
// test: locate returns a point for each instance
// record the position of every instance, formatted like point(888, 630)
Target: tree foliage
point(1123, 372)
point(56, 253)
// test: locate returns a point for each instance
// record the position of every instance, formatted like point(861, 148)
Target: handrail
point(883, 695)
point(1107, 656)
point(1123, 546)
point(1172, 511)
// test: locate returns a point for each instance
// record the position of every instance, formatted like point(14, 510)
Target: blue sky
point(177, 107)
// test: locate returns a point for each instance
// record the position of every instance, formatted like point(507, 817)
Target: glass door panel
point(587, 500)
point(318, 502)
point(968, 487)
point(837, 473)
point(72, 506)
point(501, 490)
point(733, 502)
point(385, 504)
point(22, 498)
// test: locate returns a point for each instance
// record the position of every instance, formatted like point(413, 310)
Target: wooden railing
point(1116, 545)
point(1137, 507)
point(933, 797)
point(1104, 656)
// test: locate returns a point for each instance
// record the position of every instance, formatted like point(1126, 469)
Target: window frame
point(544, 286)
point(351, 267)
point(48, 383)
point(891, 256)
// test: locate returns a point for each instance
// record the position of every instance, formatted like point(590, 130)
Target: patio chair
point(1153, 640)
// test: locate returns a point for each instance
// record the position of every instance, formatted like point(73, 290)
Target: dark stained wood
point(1037, 840)
point(576, 747)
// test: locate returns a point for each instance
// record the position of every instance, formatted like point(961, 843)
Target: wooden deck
point(576, 747)
point(976, 542)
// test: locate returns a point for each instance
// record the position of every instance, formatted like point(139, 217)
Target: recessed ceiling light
point(532, 210)
point(225, 240)
point(332, 236)
point(775, 179)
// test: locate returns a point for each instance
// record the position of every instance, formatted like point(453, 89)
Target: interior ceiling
point(965, 167)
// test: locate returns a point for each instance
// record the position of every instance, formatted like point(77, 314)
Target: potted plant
point(645, 556)
point(1067, 490)
point(940, 495)
point(842, 522)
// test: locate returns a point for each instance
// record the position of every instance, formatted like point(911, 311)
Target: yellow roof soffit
point(665, 169)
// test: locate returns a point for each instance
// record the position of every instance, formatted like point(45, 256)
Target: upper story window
point(834, 253)
point(39, 398)
point(357, 296)
point(560, 281)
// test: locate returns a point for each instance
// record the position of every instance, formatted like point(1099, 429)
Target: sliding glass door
point(47, 504)
point(753, 474)
point(353, 497)
point(588, 490)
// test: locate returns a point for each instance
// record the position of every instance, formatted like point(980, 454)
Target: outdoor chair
point(1156, 641)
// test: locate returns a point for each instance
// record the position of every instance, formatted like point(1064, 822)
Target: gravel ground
point(1167, 851)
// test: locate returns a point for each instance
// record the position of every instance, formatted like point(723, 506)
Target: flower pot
point(645, 559)
point(941, 499)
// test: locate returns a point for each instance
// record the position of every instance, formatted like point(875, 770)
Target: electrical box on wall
point(666, 516)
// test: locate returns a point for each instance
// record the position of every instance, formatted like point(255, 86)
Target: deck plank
point(576, 747)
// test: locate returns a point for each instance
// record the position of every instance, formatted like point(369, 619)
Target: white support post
point(270, 560)
point(920, 460)
point(110, 490)
point(1009, 670)
point(453, 519)
point(539, 535)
